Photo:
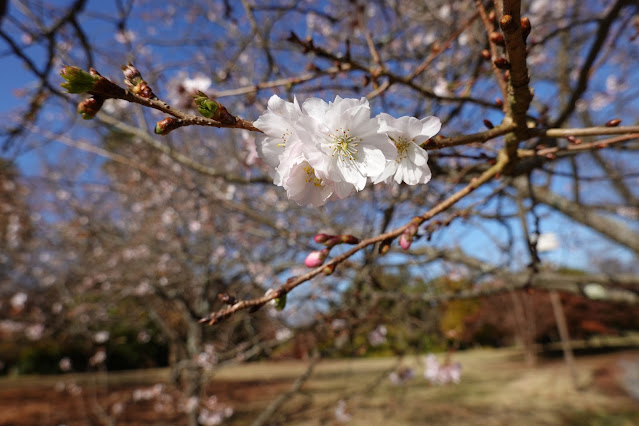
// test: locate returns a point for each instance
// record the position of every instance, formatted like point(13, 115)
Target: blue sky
point(468, 235)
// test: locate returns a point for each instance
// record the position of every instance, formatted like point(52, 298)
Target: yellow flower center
point(402, 144)
point(311, 178)
point(344, 144)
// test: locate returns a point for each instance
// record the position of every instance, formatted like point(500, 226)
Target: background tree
point(127, 226)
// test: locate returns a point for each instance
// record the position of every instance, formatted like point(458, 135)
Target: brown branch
point(610, 228)
point(107, 89)
point(573, 148)
point(489, 174)
point(588, 131)
point(348, 64)
point(519, 93)
point(499, 75)
point(439, 142)
point(585, 72)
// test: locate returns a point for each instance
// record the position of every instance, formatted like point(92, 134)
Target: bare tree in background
point(537, 154)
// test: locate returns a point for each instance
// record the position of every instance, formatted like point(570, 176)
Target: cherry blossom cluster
point(320, 151)
point(441, 374)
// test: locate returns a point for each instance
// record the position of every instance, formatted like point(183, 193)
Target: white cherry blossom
point(278, 124)
point(407, 133)
point(349, 148)
point(328, 150)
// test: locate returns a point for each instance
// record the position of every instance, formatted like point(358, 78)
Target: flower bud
point(89, 107)
point(525, 28)
point(349, 239)
point(164, 127)
point(143, 89)
point(205, 106)
point(613, 123)
point(385, 246)
point(329, 269)
point(405, 241)
point(409, 234)
point(210, 108)
point(78, 80)
point(497, 38)
point(280, 302)
point(316, 258)
point(227, 298)
point(322, 238)
point(506, 22)
point(132, 75)
point(502, 63)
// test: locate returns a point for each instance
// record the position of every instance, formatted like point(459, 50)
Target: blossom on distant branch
point(441, 374)
point(320, 151)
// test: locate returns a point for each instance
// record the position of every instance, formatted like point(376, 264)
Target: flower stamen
point(344, 144)
point(311, 177)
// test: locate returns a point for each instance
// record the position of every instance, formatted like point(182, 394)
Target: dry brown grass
point(496, 389)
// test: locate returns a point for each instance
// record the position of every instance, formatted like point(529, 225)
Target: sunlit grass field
point(497, 388)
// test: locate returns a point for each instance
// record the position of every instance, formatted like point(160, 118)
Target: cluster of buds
point(79, 81)
point(317, 257)
point(507, 25)
point(134, 82)
point(210, 108)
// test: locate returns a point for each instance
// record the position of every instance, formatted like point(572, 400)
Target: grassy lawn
point(496, 389)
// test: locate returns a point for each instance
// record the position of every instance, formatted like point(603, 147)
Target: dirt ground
point(496, 389)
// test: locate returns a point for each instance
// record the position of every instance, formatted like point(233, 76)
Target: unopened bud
point(143, 89)
point(349, 239)
point(316, 258)
point(488, 123)
point(210, 108)
point(329, 269)
point(501, 63)
point(280, 302)
point(322, 238)
point(78, 80)
point(525, 28)
point(407, 237)
point(506, 22)
point(89, 107)
point(385, 246)
point(132, 75)
point(613, 123)
point(227, 298)
point(497, 38)
point(164, 127)
point(499, 102)
point(405, 241)
point(486, 54)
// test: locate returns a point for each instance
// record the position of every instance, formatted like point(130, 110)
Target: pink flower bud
point(405, 241)
point(322, 238)
point(409, 234)
point(316, 258)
